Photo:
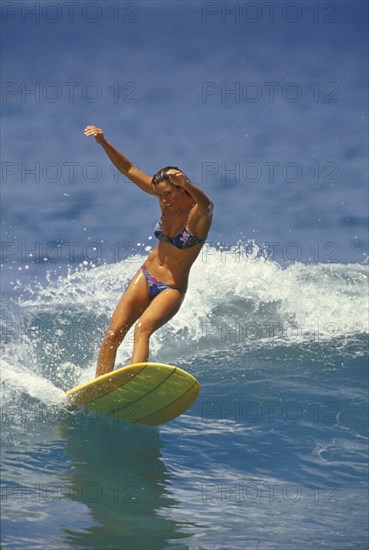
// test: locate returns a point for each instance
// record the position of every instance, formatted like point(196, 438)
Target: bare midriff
point(172, 265)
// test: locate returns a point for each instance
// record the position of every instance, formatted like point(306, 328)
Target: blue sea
point(265, 106)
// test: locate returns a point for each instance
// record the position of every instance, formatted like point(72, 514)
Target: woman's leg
point(133, 302)
point(163, 307)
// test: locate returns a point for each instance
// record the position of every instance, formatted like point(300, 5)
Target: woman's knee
point(144, 328)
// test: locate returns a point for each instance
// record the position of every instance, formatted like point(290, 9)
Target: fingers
point(97, 133)
point(173, 173)
point(92, 131)
point(176, 176)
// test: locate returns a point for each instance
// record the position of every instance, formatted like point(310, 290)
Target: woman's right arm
point(142, 180)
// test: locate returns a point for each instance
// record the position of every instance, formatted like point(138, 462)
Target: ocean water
point(265, 105)
point(273, 454)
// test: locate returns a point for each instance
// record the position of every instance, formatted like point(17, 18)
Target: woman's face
point(170, 195)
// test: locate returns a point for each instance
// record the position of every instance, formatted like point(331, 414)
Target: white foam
point(234, 297)
point(329, 298)
point(20, 379)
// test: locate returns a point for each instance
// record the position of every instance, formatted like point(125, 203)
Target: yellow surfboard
point(148, 393)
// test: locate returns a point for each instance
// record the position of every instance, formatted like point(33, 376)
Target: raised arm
point(125, 166)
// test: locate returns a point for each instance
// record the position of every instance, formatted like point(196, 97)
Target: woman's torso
point(169, 263)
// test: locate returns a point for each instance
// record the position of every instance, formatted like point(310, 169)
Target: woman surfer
point(157, 290)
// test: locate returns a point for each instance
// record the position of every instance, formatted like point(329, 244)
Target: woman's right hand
point(96, 132)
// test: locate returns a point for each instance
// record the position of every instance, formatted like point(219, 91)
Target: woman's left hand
point(177, 177)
